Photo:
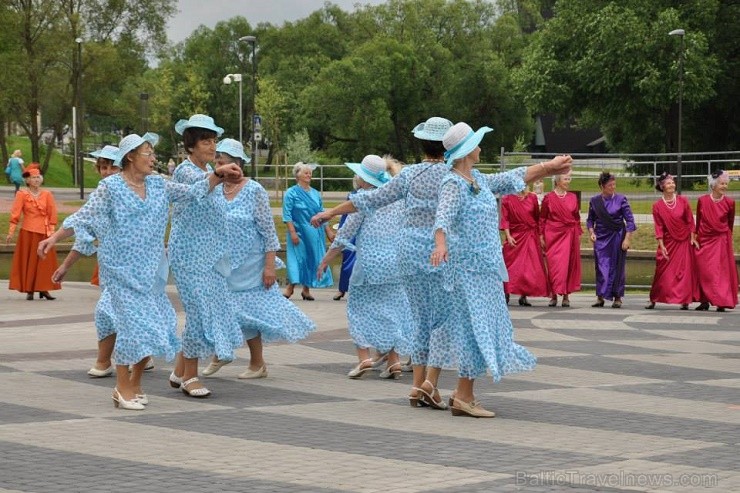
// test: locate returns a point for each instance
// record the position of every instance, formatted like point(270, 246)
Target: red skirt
point(29, 273)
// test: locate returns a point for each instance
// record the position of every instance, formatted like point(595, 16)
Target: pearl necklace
point(432, 161)
point(232, 190)
point(474, 187)
point(132, 184)
point(671, 204)
point(565, 192)
point(717, 201)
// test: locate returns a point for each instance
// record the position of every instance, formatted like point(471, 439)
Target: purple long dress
point(610, 217)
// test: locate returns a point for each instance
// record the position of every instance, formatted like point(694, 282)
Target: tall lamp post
point(253, 41)
point(680, 33)
point(228, 80)
point(78, 135)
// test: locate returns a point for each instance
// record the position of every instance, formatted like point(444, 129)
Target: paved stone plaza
point(622, 400)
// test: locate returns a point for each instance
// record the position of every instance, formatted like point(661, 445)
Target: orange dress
point(29, 273)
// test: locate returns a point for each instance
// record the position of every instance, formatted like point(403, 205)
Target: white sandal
point(214, 366)
point(359, 371)
point(197, 393)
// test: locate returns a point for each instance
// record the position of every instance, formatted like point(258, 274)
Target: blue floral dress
point(299, 207)
point(418, 187)
point(250, 233)
point(478, 328)
point(378, 310)
point(197, 242)
point(133, 266)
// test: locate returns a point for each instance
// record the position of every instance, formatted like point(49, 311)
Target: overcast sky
point(193, 13)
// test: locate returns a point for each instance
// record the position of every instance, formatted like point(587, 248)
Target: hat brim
point(225, 150)
point(150, 137)
point(357, 169)
point(104, 155)
point(183, 125)
point(469, 145)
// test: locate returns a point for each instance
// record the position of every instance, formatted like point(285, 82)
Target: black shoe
point(617, 304)
point(29, 296)
point(339, 296)
point(523, 301)
point(684, 306)
point(553, 302)
point(702, 307)
point(45, 295)
point(598, 304)
point(720, 309)
point(650, 305)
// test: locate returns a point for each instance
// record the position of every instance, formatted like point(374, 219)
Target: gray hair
point(300, 166)
point(556, 178)
point(713, 181)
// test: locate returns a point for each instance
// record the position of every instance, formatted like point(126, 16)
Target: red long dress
point(715, 259)
point(525, 263)
point(560, 223)
point(674, 280)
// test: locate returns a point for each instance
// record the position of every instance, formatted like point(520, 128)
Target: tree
point(613, 66)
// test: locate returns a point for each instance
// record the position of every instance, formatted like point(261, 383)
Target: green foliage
point(298, 148)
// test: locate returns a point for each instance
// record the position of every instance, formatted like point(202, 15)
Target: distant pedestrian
point(610, 225)
point(14, 169)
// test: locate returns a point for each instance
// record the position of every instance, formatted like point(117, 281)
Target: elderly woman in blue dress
point(467, 244)
point(378, 309)
point(304, 244)
point(264, 315)
point(418, 187)
point(128, 215)
point(197, 242)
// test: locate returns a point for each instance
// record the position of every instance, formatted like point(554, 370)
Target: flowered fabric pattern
point(133, 267)
point(250, 233)
point(303, 259)
point(196, 244)
point(418, 187)
point(478, 327)
point(377, 309)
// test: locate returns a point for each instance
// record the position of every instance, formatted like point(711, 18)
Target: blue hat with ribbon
point(460, 140)
point(107, 152)
point(198, 121)
point(372, 169)
point(233, 148)
point(432, 129)
point(131, 142)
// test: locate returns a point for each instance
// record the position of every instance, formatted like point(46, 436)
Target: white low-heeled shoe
point(175, 381)
point(119, 401)
point(361, 369)
point(251, 374)
point(214, 366)
point(95, 373)
point(197, 393)
point(143, 398)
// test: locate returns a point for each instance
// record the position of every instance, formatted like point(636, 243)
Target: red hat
point(33, 169)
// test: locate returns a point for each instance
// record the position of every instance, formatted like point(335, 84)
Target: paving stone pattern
point(621, 400)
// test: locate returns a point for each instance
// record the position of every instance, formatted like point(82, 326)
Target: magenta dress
point(675, 277)
point(715, 259)
point(611, 218)
point(560, 223)
point(524, 262)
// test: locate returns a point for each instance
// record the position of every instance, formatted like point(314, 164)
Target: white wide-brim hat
point(432, 129)
point(198, 121)
point(107, 152)
point(131, 142)
point(460, 140)
point(233, 148)
point(372, 169)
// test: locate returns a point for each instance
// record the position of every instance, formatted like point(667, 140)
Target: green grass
point(59, 173)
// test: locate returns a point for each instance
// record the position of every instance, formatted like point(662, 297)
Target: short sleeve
point(389, 193)
point(508, 182)
point(348, 231)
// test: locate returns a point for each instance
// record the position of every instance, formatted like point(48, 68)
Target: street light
point(78, 135)
point(228, 80)
point(680, 33)
point(253, 41)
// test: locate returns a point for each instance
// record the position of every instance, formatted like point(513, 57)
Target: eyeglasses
point(148, 154)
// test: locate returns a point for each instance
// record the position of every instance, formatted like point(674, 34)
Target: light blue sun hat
point(198, 121)
point(131, 142)
point(233, 148)
point(372, 169)
point(107, 152)
point(460, 140)
point(432, 129)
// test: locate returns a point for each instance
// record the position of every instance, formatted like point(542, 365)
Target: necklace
point(716, 201)
point(474, 187)
point(35, 194)
point(231, 191)
point(565, 192)
point(132, 184)
point(671, 204)
point(432, 161)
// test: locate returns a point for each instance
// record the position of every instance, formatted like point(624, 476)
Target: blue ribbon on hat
point(381, 176)
point(458, 146)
